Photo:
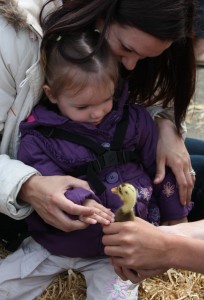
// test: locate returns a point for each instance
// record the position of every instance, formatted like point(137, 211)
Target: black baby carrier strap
point(104, 157)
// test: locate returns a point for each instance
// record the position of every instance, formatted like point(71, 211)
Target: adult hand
point(46, 195)
point(136, 276)
point(147, 249)
point(137, 245)
point(171, 151)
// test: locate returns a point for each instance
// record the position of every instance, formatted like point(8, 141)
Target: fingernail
point(107, 222)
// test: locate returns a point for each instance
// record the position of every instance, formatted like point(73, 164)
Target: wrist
point(164, 123)
point(172, 246)
point(168, 250)
point(179, 251)
point(167, 127)
point(27, 188)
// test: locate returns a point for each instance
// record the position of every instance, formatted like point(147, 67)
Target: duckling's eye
point(120, 191)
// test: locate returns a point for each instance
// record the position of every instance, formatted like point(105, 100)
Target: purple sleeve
point(79, 195)
point(167, 194)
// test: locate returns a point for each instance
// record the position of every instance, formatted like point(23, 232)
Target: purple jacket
point(60, 157)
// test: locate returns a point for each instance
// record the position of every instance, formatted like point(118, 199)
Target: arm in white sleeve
point(159, 111)
point(18, 52)
point(13, 174)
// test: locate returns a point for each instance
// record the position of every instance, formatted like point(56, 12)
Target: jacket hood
point(15, 15)
point(25, 13)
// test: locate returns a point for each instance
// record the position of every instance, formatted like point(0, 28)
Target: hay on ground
point(172, 285)
point(69, 285)
point(175, 284)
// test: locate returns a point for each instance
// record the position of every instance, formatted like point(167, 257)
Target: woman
point(132, 28)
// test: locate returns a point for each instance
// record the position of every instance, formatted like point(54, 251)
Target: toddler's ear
point(48, 93)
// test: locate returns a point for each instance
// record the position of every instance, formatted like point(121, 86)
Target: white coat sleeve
point(13, 173)
point(18, 173)
point(166, 113)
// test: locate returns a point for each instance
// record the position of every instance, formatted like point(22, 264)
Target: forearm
point(140, 246)
point(185, 246)
point(185, 253)
point(192, 229)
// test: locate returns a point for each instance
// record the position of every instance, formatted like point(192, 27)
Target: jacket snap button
point(105, 145)
point(112, 177)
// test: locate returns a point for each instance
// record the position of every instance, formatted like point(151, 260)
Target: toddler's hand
point(101, 214)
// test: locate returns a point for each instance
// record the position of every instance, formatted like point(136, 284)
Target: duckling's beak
point(114, 190)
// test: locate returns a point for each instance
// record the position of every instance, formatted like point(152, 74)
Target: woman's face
point(130, 44)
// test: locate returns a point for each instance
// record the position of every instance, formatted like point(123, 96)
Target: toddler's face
point(89, 105)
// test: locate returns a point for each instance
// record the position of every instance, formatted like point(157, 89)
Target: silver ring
point(192, 172)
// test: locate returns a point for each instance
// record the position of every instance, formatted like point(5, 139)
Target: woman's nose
point(129, 62)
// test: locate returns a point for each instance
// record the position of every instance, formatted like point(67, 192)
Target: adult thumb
point(160, 172)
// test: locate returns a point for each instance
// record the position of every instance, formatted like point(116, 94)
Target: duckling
point(128, 194)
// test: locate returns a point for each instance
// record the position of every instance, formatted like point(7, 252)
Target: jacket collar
point(25, 13)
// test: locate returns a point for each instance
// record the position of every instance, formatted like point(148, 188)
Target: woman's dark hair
point(170, 77)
